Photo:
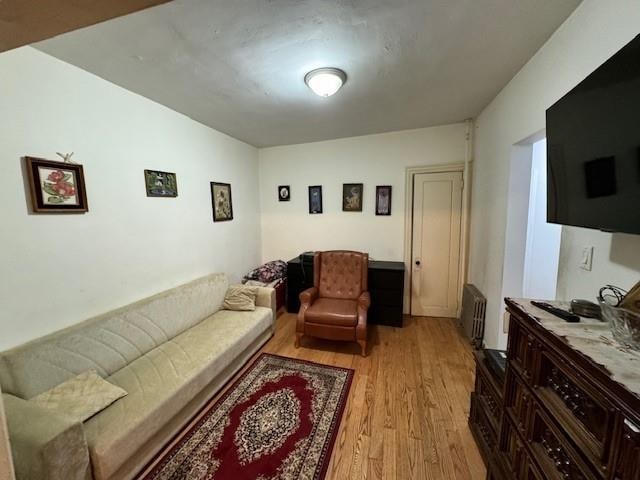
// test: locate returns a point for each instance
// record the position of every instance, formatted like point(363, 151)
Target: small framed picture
point(221, 202)
point(284, 193)
point(56, 187)
point(352, 197)
point(160, 184)
point(315, 199)
point(383, 200)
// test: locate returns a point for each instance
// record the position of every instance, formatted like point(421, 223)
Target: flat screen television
point(593, 148)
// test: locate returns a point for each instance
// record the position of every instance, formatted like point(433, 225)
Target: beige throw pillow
point(80, 397)
point(241, 298)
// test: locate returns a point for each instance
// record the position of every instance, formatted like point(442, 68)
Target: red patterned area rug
point(279, 420)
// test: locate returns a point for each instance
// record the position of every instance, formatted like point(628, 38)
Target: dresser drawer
point(381, 279)
point(626, 460)
point(584, 413)
point(523, 350)
point(488, 399)
point(389, 298)
point(518, 401)
point(553, 452)
point(485, 436)
point(391, 316)
point(512, 449)
point(529, 470)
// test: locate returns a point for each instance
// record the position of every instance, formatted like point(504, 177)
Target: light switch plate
point(586, 260)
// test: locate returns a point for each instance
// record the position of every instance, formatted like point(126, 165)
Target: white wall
point(288, 228)
point(542, 252)
point(60, 269)
point(594, 32)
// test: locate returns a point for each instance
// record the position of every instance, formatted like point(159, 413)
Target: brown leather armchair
point(336, 306)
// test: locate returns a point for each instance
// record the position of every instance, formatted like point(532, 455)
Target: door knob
point(418, 263)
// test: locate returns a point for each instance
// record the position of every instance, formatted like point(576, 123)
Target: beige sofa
point(170, 352)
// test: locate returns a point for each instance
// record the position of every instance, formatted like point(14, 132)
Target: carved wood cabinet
point(562, 415)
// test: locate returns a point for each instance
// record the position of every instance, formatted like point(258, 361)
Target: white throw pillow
point(80, 397)
point(241, 298)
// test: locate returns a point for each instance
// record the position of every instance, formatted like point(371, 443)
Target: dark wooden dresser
point(569, 407)
point(386, 287)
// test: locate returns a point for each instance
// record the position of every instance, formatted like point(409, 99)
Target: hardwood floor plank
point(406, 416)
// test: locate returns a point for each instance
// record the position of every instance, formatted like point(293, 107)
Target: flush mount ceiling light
point(325, 81)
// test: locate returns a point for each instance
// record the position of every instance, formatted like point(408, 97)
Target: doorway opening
point(532, 245)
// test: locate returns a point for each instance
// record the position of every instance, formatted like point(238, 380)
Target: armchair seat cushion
point(333, 311)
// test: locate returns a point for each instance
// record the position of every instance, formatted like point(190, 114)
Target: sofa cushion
point(162, 382)
point(111, 341)
point(80, 397)
point(240, 298)
point(333, 311)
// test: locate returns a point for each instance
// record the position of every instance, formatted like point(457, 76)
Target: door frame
point(410, 172)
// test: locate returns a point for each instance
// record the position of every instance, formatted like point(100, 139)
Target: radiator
point(474, 305)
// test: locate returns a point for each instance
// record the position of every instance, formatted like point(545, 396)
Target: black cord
point(611, 295)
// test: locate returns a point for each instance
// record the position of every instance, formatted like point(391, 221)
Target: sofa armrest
point(309, 296)
point(45, 445)
point(267, 298)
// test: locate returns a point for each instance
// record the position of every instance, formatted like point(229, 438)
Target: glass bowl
point(625, 325)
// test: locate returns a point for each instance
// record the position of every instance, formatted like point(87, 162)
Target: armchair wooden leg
point(363, 346)
point(298, 337)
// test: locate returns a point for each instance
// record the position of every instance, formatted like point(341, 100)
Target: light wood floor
point(407, 412)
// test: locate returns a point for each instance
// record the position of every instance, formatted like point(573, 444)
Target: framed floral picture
point(56, 187)
point(221, 202)
point(352, 197)
point(383, 200)
point(160, 184)
point(315, 199)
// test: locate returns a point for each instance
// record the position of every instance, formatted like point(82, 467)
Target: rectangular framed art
point(352, 197)
point(315, 199)
point(160, 184)
point(56, 187)
point(221, 202)
point(383, 200)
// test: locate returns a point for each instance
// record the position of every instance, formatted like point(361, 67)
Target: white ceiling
point(238, 66)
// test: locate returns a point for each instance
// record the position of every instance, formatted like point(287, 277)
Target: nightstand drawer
point(386, 279)
point(387, 298)
point(382, 315)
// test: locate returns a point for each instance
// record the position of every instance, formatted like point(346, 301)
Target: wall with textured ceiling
point(594, 32)
point(60, 269)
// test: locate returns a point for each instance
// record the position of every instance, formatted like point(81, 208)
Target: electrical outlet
point(505, 322)
point(586, 260)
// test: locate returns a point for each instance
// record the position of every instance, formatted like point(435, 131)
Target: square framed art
point(352, 197)
point(56, 187)
point(315, 199)
point(160, 184)
point(221, 202)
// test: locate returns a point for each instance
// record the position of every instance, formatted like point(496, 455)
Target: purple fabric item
point(268, 272)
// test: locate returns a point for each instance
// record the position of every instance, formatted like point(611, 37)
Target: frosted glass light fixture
point(325, 81)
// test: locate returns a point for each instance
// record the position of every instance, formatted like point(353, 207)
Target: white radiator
point(474, 305)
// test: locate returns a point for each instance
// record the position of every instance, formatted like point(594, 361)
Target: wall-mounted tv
point(593, 148)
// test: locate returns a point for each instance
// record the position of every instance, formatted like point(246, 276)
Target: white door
point(437, 208)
